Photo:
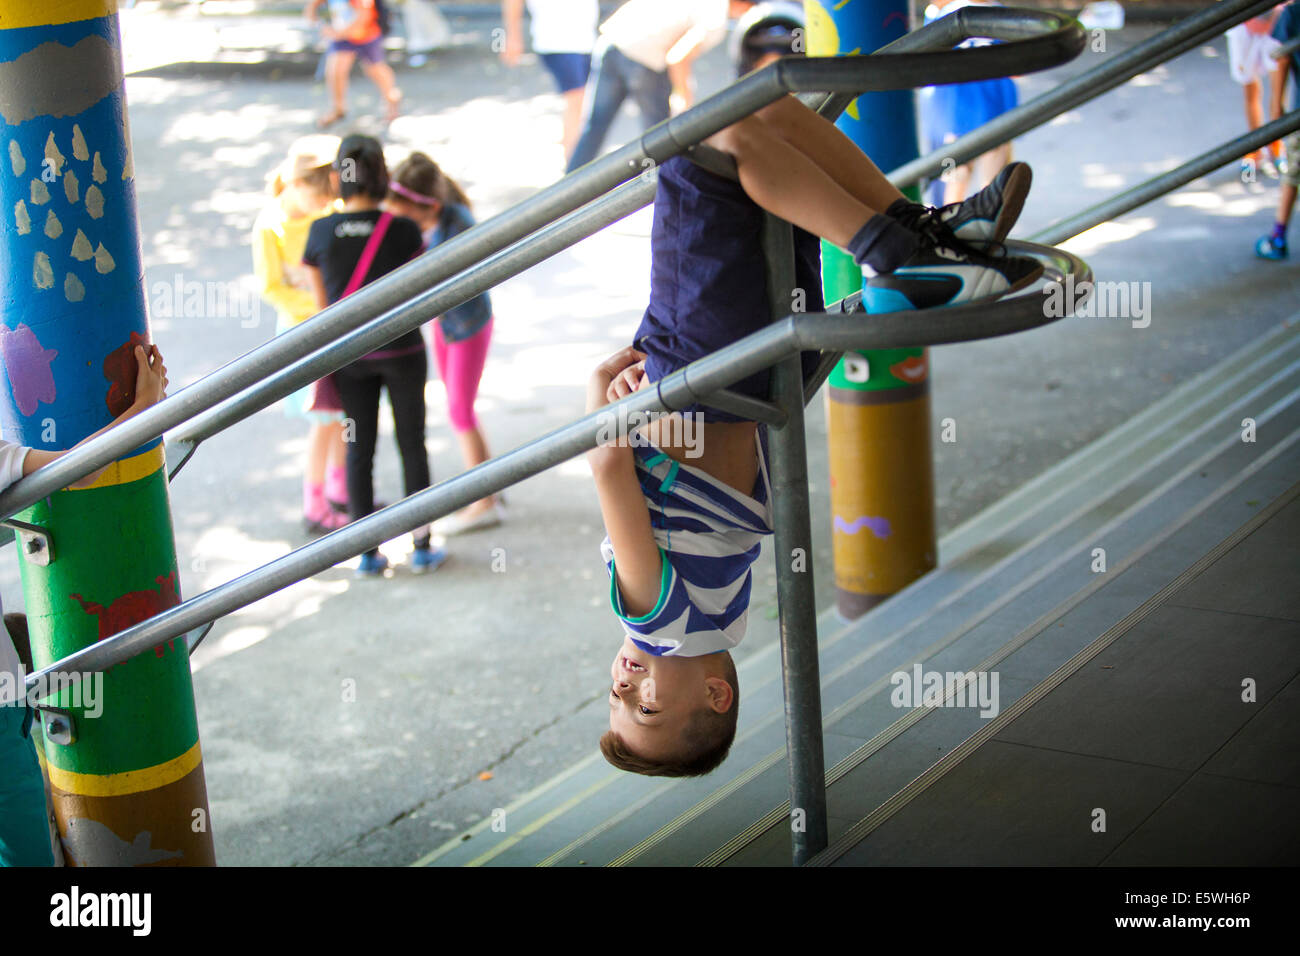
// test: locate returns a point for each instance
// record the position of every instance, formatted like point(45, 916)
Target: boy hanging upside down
point(683, 534)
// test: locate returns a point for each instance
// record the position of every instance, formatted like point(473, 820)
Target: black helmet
point(773, 27)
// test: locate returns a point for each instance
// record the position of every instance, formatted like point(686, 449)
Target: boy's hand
point(617, 377)
point(150, 378)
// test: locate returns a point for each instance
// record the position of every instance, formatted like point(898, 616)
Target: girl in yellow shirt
point(301, 193)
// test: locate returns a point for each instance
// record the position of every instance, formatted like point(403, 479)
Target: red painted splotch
point(132, 608)
point(912, 369)
point(121, 369)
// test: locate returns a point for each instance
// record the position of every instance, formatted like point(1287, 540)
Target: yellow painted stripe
point(119, 784)
point(45, 13)
point(129, 469)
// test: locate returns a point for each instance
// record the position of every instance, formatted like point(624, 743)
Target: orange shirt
point(355, 20)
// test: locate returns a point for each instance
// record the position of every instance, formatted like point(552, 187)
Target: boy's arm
point(150, 388)
point(638, 563)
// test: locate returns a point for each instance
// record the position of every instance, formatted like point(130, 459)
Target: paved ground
point(472, 671)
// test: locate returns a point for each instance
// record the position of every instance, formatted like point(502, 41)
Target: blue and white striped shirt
point(709, 535)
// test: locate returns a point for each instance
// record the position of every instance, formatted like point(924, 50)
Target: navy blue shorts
point(372, 52)
point(708, 281)
point(570, 70)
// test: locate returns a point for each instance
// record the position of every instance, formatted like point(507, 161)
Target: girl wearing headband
point(419, 190)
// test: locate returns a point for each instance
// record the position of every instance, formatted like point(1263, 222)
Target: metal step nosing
point(1163, 414)
point(1037, 627)
point(954, 757)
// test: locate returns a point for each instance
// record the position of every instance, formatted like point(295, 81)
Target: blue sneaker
point(372, 566)
point(1270, 248)
point(943, 272)
point(424, 560)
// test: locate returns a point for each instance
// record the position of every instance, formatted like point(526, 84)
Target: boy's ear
point(720, 693)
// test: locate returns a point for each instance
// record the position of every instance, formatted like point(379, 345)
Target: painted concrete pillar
point(127, 783)
point(878, 403)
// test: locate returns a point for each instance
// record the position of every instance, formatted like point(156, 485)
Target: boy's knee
point(737, 137)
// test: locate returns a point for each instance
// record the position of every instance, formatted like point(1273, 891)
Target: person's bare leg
point(1254, 112)
point(337, 454)
point(1285, 202)
point(381, 74)
point(832, 151)
point(956, 182)
point(336, 77)
point(318, 453)
point(573, 102)
point(473, 448)
point(786, 181)
point(988, 165)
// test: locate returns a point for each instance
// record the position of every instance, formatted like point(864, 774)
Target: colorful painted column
point(878, 403)
point(127, 780)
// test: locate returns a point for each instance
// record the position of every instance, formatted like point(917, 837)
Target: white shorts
point(1250, 54)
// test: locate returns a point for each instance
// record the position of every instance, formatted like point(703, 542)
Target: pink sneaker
point(323, 522)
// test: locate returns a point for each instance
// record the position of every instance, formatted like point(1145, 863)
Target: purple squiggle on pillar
point(27, 363)
point(879, 526)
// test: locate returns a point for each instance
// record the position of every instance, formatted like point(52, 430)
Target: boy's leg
point(934, 269)
point(832, 151)
point(802, 168)
point(786, 180)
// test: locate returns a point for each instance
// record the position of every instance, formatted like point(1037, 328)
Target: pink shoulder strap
point(368, 254)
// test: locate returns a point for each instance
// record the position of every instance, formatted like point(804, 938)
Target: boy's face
point(652, 699)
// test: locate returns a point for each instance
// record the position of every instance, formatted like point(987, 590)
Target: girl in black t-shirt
point(336, 247)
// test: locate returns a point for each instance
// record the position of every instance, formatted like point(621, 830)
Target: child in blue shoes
point(684, 522)
point(1286, 29)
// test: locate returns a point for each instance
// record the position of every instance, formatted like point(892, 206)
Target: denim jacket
point(463, 321)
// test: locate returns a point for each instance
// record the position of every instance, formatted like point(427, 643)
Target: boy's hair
point(361, 167)
point(708, 739)
point(420, 174)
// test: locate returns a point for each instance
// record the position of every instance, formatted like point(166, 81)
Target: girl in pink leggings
point(420, 191)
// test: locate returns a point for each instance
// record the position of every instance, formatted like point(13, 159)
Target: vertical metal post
point(801, 675)
point(122, 749)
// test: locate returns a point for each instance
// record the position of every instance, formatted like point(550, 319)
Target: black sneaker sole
point(1014, 191)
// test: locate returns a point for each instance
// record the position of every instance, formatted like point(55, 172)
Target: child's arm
point(150, 388)
point(317, 287)
point(269, 269)
point(638, 563)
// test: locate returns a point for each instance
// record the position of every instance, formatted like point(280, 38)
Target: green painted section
point(143, 714)
point(842, 276)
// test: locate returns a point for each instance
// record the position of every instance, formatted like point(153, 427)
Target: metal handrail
point(762, 349)
point(1157, 186)
point(401, 300)
point(1165, 45)
point(949, 30)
